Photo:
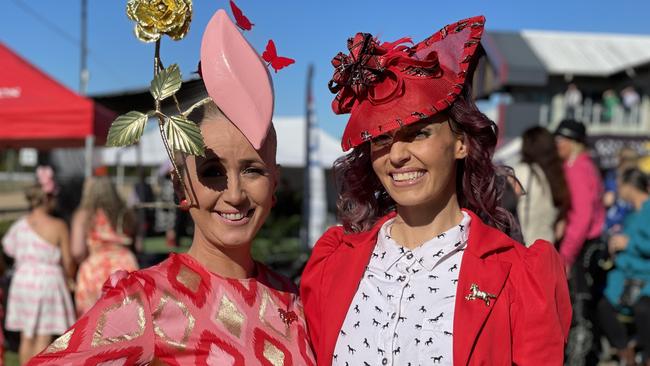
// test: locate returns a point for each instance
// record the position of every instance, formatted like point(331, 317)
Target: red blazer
point(527, 324)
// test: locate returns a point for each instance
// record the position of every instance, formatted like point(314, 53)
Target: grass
point(158, 244)
point(11, 359)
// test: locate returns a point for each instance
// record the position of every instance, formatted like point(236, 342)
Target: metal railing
point(615, 120)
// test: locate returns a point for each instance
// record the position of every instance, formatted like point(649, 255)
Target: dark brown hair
point(538, 147)
point(635, 178)
point(363, 200)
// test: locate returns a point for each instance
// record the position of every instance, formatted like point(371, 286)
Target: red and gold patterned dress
point(178, 313)
point(108, 253)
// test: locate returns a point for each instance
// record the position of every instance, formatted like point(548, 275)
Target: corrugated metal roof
point(588, 54)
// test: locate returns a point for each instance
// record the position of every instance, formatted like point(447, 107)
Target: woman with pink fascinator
point(39, 305)
point(213, 305)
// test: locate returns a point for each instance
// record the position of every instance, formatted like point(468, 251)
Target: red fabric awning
point(37, 111)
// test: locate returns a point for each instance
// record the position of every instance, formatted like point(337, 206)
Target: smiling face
point(417, 163)
point(232, 187)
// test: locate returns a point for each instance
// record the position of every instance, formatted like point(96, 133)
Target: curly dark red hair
point(363, 200)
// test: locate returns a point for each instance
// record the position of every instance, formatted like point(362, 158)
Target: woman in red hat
point(420, 271)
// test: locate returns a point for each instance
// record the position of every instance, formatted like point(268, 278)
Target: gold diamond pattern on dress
point(169, 300)
point(274, 355)
point(60, 343)
point(98, 335)
point(189, 278)
point(268, 307)
point(230, 316)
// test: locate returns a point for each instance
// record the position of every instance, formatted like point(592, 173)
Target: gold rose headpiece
point(155, 18)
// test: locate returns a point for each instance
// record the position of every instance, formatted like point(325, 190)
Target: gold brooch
point(475, 293)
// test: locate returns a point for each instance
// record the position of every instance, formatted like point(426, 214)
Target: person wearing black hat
point(572, 130)
point(585, 221)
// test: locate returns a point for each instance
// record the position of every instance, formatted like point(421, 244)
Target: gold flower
point(156, 17)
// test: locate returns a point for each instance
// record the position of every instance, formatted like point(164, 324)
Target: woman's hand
point(72, 285)
point(617, 243)
point(609, 198)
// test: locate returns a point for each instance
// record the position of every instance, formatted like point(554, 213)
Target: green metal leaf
point(166, 83)
point(127, 129)
point(184, 135)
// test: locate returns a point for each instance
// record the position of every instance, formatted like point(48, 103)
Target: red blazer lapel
point(470, 315)
point(489, 274)
point(345, 269)
point(344, 280)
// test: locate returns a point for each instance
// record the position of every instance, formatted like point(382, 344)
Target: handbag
point(631, 292)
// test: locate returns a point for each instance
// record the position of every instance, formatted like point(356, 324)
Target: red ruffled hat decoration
point(389, 85)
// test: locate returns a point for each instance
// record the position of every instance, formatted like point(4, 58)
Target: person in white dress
point(39, 305)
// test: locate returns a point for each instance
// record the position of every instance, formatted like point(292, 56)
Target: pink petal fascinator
point(236, 78)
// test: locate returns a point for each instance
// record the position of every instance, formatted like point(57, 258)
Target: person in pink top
point(585, 221)
point(214, 305)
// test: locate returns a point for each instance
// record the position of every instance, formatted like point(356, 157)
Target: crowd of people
point(599, 223)
point(428, 266)
point(52, 261)
point(622, 106)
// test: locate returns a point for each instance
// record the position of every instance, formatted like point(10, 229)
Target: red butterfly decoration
point(240, 18)
point(270, 55)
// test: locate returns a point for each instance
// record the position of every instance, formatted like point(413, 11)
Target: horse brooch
point(476, 293)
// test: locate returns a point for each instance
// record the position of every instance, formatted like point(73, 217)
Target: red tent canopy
point(37, 111)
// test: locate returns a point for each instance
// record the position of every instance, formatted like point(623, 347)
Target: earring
point(184, 205)
point(274, 200)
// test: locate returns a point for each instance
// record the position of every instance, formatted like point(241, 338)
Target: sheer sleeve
point(117, 329)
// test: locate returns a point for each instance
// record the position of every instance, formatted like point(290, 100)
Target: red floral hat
point(389, 85)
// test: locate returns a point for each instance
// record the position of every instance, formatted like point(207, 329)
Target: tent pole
point(306, 189)
point(120, 169)
point(83, 71)
point(90, 144)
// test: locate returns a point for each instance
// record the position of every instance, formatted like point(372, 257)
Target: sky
point(47, 33)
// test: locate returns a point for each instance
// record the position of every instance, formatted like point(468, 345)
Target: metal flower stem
point(178, 105)
point(161, 118)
